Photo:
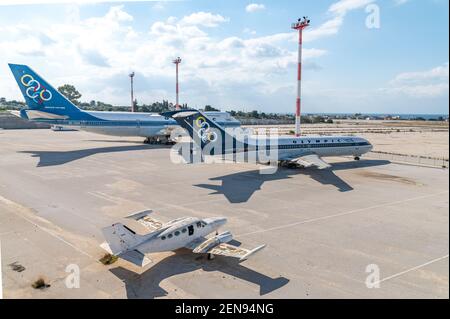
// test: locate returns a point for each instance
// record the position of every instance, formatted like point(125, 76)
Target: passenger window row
point(184, 230)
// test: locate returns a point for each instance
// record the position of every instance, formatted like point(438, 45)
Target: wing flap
point(234, 251)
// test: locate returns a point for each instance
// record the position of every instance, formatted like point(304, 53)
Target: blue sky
point(237, 54)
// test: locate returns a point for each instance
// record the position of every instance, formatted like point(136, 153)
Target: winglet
point(251, 252)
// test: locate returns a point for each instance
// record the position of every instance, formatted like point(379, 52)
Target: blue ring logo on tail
point(34, 89)
point(204, 132)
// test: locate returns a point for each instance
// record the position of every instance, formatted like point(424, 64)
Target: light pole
point(299, 25)
point(177, 61)
point(131, 75)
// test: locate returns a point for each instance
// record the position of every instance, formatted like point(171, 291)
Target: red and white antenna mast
point(299, 25)
point(177, 61)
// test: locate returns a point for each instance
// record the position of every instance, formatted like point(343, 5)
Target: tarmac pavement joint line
point(51, 233)
point(340, 214)
point(410, 269)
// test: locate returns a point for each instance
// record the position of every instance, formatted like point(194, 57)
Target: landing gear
point(289, 164)
point(158, 140)
point(357, 158)
point(152, 140)
point(210, 257)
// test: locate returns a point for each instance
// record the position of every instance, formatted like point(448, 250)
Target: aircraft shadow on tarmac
point(148, 284)
point(55, 158)
point(239, 187)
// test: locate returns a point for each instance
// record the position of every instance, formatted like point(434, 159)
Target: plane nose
point(369, 145)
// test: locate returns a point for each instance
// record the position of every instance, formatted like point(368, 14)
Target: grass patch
point(108, 259)
point(40, 284)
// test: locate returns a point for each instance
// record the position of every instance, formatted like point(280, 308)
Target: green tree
point(209, 108)
point(70, 92)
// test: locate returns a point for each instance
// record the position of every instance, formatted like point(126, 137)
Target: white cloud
point(429, 83)
point(96, 54)
point(342, 7)
point(116, 13)
point(439, 73)
point(253, 7)
point(338, 11)
point(249, 31)
point(205, 19)
point(400, 2)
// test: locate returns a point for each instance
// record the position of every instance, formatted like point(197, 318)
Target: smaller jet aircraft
point(185, 232)
point(305, 151)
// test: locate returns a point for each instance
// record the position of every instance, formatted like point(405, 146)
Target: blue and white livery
point(46, 104)
point(212, 139)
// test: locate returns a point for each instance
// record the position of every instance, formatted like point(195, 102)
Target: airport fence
point(410, 159)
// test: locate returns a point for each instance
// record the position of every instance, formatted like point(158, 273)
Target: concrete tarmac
point(329, 233)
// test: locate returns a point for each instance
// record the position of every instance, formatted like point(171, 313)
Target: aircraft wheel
point(357, 158)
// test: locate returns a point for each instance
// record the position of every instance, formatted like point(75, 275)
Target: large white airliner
point(305, 151)
point(45, 104)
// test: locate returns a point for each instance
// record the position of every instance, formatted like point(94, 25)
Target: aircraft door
point(191, 230)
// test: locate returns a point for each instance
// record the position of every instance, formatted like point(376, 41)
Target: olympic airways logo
point(204, 131)
point(34, 89)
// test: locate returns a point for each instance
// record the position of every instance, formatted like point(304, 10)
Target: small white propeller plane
point(187, 232)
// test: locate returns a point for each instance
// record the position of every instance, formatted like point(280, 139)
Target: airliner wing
point(148, 222)
point(312, 159)
point(309, 160)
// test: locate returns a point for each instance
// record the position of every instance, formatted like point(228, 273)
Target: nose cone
point(370, 146)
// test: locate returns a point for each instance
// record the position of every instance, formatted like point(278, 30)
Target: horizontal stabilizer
point(139, 215)
point(252, 252)
point(135, 257)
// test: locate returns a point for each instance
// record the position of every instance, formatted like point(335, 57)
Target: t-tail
point(42, 99)
point(123, 242)
point(120, 239)
point(210, 136)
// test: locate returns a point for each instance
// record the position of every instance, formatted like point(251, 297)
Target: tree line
point(73, 95)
